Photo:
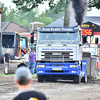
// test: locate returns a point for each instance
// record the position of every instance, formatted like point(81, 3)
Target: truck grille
point(57, 56)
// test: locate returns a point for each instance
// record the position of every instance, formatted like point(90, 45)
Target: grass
point(98, 76)
point(14, 74)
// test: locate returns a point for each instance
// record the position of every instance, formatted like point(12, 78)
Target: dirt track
point(61, 90)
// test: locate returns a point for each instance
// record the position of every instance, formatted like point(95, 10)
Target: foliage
point(60, 6)
point(4, 13)
point(44, 19)
point(24, 18)
point(53, 15)
point(27, 5)
point(94, 3)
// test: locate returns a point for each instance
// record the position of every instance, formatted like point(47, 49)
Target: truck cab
point(59, 53)
point(11, 41)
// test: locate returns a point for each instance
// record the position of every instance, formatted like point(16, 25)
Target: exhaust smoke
point(79, 9)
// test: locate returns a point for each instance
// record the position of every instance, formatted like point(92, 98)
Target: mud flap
point(84, 79)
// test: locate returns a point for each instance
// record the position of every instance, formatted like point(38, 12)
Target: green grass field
point(98, 76)
point(14, 74)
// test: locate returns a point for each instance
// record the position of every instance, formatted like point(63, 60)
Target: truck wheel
point(77, 79)
point(40, 78)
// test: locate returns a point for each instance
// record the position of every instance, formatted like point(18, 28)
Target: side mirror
point(96, 40)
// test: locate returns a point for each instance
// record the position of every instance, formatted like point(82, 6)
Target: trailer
point(59, 54)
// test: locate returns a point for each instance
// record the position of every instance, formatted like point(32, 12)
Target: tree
point(27, 5)
point(94, 3)
point(24, 18)
point(54, 15)
point(44, 19)
point(11, 14)
point(4, 13)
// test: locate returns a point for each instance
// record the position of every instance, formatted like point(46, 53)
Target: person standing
point(23, 80)
point(32, 61)
point(6, 61)
point(26, 58)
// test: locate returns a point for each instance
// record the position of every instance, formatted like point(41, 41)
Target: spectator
point(32, 61)
point(26, 59)
point(6, 61)
point(23, 80)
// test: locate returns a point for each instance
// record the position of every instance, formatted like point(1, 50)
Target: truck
point(59, 54)
point(33, 30)
point(11, 41)
point(24, 43)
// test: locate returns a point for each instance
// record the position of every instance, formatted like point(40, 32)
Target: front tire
point(77, 79)
point(40, 78)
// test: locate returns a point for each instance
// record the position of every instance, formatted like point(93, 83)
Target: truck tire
point(77, 79)
point(40, 78)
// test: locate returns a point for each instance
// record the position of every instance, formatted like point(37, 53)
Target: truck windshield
point(57, 38)
point(7, 41)
point(23, 44)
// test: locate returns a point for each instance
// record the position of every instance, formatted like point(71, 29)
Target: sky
point(42, 8)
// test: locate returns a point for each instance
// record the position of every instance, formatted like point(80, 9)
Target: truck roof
point(23, 36)
point(9, 32)
point(57, 29)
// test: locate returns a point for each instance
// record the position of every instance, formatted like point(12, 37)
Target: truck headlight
point(73, 66)
point(40, 66)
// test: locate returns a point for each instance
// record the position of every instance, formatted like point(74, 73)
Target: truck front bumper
point(58, 70)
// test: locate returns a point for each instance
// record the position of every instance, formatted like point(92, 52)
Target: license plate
point(56, 68)
point(56, 53)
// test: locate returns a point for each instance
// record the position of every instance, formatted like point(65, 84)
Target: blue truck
point(59, 54)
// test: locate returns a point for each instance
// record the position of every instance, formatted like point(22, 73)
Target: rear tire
point(40, 78)
point(77, 79)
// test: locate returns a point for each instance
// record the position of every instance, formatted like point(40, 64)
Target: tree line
point(25, 17)
point(25, 14)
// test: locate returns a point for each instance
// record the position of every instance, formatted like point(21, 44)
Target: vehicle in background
point(59, 54)
point(24, 43)
point(33, 31)
point(11, 41)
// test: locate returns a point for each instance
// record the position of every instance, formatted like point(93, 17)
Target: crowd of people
point(29, 61)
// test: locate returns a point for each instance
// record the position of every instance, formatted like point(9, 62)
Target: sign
point(93, 51)
point(87, 31)
point(57, 29)
point(85, 26)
